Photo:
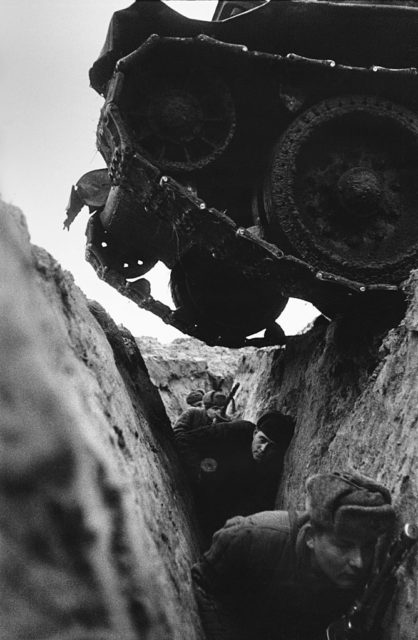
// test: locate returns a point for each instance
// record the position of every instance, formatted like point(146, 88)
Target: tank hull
point(213, 134)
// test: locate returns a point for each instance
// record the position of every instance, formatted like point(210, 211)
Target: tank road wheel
point(182, 119)
point(224, 304)
point(342, 192)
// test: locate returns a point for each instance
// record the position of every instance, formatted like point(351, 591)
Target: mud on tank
point(266, 154)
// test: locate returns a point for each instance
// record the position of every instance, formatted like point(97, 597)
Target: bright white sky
point(48, 118)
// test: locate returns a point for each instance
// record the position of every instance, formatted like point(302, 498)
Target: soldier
point(195, 398)
point(279, 575)
point(235, 467)
point(194, 418)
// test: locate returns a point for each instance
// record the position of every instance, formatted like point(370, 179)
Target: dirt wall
point(96, 537)
point(355, 401)
point(185, 365)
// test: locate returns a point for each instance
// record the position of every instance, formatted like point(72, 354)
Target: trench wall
point(356, 407)
point(96, 537)
point(95, 525)
point(187, 364)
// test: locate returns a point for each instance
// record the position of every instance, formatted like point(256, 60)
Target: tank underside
point(257, 175)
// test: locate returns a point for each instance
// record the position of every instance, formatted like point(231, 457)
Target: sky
point(48, 119)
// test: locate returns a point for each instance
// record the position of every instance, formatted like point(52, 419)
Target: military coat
point(257, 582)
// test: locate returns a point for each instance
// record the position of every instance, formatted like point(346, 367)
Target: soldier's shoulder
point(262, 522)
point(196, 411)
point(192, 412)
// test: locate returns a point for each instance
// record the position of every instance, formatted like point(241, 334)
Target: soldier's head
point(213, 403)
point(271, 436)
point(195, 398)
point(348, 514)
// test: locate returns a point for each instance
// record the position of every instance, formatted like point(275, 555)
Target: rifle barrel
point(229, 398)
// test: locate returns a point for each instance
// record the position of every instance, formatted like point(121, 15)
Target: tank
point(268, 154)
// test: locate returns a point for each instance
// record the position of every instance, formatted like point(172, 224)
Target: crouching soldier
point(283, 576)
point(195, 398)
point(235, 467)
point(192, 420)
point(196, 417)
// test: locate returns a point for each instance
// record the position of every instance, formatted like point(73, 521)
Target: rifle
point(229, 398)
point(353, 625)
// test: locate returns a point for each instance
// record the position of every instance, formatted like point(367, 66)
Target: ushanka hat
point(349, 504)
point(214, 399)
point(194, 397)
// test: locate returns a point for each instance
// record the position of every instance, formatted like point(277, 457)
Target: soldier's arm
point(231, 430)
point(222, 431)
point(220, 575)
point(217, 621)
point(185, 423)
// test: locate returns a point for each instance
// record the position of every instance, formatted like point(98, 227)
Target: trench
point(97, 524)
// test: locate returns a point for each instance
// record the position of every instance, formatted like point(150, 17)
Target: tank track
point(295, 277)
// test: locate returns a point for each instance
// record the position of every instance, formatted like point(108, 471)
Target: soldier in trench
point(280, 575)
point(195, 398)
point(194, 420)
point(196, 417)
point(235, 467)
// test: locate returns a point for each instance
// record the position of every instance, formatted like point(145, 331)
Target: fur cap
point(349, 504)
